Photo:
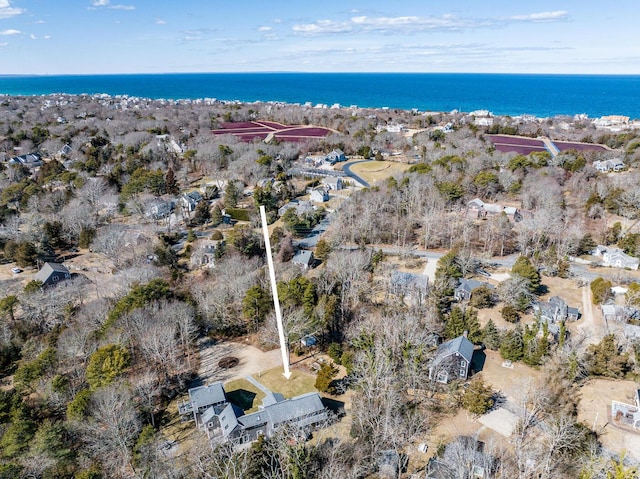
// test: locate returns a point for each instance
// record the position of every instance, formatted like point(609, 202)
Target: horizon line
point(276, 72)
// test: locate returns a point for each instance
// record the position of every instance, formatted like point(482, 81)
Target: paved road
point(311, 240)
point(347, 170)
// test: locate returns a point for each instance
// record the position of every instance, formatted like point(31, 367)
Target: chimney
point(466, 333)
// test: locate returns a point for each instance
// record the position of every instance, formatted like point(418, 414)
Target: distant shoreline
point(540, 95)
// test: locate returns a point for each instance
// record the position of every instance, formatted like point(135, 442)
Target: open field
point(374, 171)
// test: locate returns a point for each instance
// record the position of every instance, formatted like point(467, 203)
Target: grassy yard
point(374, 171)
point(183, 433)
point(244, 395)
point(299, 383)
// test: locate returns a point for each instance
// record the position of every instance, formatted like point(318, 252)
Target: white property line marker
point(274, 292)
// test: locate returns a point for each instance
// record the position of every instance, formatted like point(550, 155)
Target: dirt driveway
point(591, 325)
point(252, 360)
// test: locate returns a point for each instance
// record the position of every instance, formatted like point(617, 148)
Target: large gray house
point(225, 422)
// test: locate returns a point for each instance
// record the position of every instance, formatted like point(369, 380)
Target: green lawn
point(299, 383)
point(244, 395)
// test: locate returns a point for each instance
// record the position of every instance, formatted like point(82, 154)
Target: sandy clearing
point(430, 270)
point(501, 421)
point(500, 276)
point(594, 409)
point(252, 360)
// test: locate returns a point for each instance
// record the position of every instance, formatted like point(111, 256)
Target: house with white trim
point(615, 257)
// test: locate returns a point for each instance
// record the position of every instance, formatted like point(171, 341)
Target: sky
point(492, 36)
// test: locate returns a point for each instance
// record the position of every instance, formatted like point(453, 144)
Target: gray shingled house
point(465, 288)
point(52, 273)
point(225, 422)
point(452, 360)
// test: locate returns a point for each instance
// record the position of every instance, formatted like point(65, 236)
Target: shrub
point(477, 398)
point(107, 363)
point(600, 290)
point(510, 314)
point(324, 380)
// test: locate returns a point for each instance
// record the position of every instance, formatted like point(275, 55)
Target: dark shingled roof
point(460, 344)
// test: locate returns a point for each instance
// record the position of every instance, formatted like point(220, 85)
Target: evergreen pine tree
point(525, 269)
point(512, 346)
point(491, 336)
point(216, 216)
point(477, 398)
point(171, 182)
point(455, 324)
point(472, 325)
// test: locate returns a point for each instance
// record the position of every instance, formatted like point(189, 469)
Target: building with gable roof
point(452, 360)
point(52, 273)
point(225, 422)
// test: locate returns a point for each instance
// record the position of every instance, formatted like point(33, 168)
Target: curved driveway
point(347, 170)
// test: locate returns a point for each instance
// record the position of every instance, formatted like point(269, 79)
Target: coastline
point(542, 95)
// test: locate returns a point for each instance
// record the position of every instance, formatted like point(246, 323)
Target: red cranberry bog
point(516, 144)
point(267, 130)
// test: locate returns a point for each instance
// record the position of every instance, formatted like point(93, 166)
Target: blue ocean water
point(502, 94)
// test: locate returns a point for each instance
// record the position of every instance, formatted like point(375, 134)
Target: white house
point(333, 182)
point(482, 209)
point(615, 257)
point(605, 166)
point(319, 194)
point(190, 200)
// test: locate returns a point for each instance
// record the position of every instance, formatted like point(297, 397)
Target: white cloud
point(265, 29)
point(160, 21)
point(323, 27)
point(413, 24)
point(7, 11)
point(33, 37)
point(541, 17)
point(47, 37)
point(10, 32)
point(3, 44)
point(107, 4)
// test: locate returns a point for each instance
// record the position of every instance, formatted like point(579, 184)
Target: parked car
point(16, 270)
